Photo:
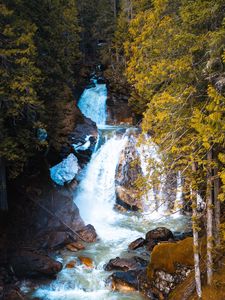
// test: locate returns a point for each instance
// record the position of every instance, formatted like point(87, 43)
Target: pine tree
point(19, 101)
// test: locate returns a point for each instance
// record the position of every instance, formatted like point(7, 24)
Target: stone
point(127, 194)
point(84, 127)
point(88, 234)
point(65, 171)
point(159, 234)
point(151, 244)
point(126, 264)
point(71, 264)
point(88, 262)
point(125, 281)
point(55, 239)
point(140, 242)
point(166, 256)
point(76, 246)
point(29, 263)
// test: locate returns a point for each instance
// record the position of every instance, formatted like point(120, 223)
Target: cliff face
point(128, 170)
point(118, 109)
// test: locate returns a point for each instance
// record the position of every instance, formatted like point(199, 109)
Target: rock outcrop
point(118, 110)
point(88, 234)
point(29, 263)
point(83, 139)
point(128, 170)
point(166, 256)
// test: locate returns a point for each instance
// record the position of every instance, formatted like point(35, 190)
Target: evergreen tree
point(20, 104)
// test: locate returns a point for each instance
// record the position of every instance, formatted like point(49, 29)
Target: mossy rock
point(165, 256)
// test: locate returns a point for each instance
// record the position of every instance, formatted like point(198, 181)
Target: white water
point(93, 103)
point(95, 198)
point(97, 190)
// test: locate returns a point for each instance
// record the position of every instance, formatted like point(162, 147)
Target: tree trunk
point(115, 8)
point(216, 207)
point(209, 203)
point(196, 238)
point(3, 191)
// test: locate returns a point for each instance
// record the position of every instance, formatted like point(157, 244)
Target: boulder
point(126, 264)
point(71, 264)
point(84, 131)
point(63, 211)
point(88, 234)
point(29, 263)
point(166, 256)
point(125, 281)
point(54, 239)
point(151, 244)
point(159, 234)
point(76, 246)
point(138, 243)
point(88, 262)
point(65, 171)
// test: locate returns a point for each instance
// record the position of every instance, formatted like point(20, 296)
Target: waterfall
point(95, 196)
point(92, 103)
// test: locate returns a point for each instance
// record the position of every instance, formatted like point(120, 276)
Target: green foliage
point(39, 56)
point(18, 96)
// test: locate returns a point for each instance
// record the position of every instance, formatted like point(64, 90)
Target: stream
point(95, 197)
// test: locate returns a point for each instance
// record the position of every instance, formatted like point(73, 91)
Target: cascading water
point(93, 103)
point(95, 198)
point(97, 190)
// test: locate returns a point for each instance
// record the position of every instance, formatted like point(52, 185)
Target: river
point(95, 197)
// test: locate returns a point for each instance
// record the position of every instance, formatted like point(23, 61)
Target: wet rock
point(71, 264)
point(151, 244)
point(159, 234)
point(55, 239)
point(88, 234)
point(127, 194)
point(126, 264)
point(140, 242)
point(29, 263)
point(84, 128)
point(88, 262)
point(125, 281)
point(12, 293)
point(76, 246)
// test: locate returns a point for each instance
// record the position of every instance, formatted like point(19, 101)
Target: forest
point(96, 81)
